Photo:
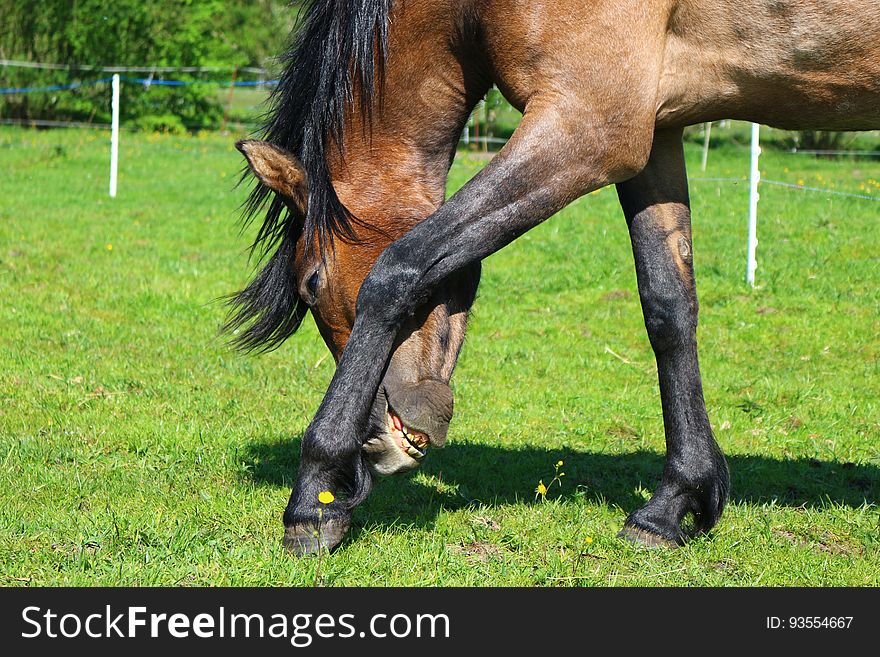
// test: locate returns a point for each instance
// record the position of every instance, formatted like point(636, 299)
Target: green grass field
point(137, 449)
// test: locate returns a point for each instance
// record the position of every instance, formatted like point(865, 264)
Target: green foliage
point(137, 449)
point(167, 123)
point(821, 140)
point(726, 134)
point(134, 33)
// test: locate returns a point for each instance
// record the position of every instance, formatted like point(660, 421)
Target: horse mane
point(338, 50)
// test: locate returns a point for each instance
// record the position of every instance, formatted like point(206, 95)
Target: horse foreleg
point(554, 157)
point(695, 480)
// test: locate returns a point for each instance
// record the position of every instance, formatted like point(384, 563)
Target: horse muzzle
point(407, 419)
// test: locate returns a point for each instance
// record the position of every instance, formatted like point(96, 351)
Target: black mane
point(338, 50)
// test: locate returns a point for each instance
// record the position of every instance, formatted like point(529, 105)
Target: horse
point(350, 177)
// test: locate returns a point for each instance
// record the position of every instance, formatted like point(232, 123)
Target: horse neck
point(393, 171)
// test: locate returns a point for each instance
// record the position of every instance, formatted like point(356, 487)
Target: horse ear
point(278, 170)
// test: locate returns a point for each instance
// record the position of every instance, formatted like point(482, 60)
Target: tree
point(80, 33)
point(820, 140)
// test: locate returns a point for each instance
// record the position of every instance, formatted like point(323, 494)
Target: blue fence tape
point(149, 82)
point(146, 82)
point(53, 87)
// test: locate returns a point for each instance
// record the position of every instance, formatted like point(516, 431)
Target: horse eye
point(312, 287)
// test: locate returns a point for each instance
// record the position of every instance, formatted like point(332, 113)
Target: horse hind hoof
point(646, 539)
point(307, 538)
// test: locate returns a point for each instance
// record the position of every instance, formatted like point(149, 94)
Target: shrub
point(167, 123)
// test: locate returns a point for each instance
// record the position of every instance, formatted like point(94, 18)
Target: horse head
point(414, 403)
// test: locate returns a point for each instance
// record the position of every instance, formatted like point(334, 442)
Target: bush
point(167, 123)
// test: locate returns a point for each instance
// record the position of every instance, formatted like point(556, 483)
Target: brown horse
point(353, 166)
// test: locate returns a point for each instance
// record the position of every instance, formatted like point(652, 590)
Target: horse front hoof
point(644, 538)
point(307, 538)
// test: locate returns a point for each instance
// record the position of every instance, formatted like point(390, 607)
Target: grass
point(136, 449)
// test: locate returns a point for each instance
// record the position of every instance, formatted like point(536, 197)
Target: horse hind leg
point(695, 480)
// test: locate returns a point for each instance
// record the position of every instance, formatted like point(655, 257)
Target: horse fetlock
point(685, 505)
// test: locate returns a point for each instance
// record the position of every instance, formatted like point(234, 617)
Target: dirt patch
point(826, 545)
point(477, 550)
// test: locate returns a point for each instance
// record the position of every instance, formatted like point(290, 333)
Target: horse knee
point(388, 294)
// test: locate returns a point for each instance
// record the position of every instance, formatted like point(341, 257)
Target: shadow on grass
point(480, 474)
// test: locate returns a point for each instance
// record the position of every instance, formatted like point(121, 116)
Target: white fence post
point(754, 179)
point(708, 128)
point(114, 136)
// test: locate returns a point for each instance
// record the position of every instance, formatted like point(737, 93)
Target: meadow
point(136, 448)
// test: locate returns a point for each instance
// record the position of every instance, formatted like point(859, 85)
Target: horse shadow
point(469, 475)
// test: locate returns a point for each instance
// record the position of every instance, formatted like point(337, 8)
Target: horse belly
point(794, 64)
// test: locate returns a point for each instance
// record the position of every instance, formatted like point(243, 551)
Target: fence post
point(708, 128)
point(754, 179)
point(114, 136)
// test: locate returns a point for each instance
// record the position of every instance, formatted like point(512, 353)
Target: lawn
point(137, 449)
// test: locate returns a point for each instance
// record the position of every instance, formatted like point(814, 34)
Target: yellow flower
point(589, 539)
point(541, 489)
point(109, 247)
point(559, 464)
point(325, 497)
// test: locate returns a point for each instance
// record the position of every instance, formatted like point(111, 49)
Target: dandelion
point(109, 247)
point(541, 490)
point(588, 540)
point(325, 497)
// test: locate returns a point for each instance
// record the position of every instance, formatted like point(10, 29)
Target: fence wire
point(161, 82)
